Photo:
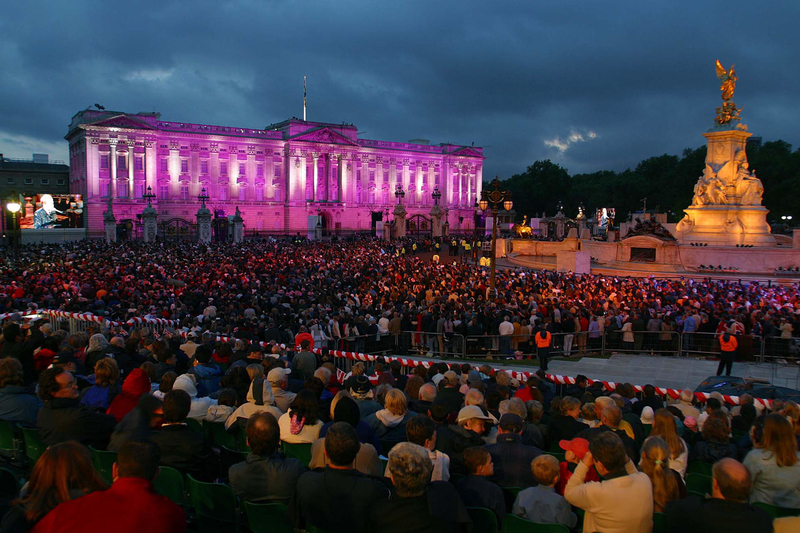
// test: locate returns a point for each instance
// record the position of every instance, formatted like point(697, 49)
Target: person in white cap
point(454, 439)
point(279, 381)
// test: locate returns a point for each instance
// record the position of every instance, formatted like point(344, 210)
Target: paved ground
point(668, 372)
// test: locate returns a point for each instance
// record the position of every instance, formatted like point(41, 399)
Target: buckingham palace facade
point(277, 177)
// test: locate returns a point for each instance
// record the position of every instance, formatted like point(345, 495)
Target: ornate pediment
point(324, 135)
point(123, 121)
point(468, 152)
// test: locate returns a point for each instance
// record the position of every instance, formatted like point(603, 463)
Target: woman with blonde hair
point(64, 472)
point(255, 371)
point(775, 465)
point(667, 483)
point(664, 426)
point(106, 385)
point(792, 412)
point(389, 424)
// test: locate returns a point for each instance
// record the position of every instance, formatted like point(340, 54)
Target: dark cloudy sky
point(589, 84)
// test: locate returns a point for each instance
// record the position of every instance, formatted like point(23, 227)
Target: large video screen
point(605, 216)
point(43, 211)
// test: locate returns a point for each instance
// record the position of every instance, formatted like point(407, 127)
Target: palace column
point(335, 180)
point(112, 165)
point(315, 192)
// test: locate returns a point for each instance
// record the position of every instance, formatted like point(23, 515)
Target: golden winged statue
point(728, 79)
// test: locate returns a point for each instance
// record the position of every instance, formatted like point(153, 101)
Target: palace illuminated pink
point(278, 176)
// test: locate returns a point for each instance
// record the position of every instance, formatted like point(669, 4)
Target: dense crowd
point(451, 440)
point(455, 439)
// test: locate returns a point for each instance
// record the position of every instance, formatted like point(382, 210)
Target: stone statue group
point(743, 189)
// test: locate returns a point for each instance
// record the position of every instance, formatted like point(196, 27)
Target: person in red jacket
point(131, 505)
point(135, 385)
point(302, 335)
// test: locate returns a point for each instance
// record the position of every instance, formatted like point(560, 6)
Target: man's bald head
point(611, 416)
point(731, 481)
point(427, 392)
point(263, 434)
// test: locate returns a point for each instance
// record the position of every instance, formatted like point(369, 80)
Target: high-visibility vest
point(543, 342)
point(728, 346)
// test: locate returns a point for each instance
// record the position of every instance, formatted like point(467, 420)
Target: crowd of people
point(268, 290)
point(453, 439)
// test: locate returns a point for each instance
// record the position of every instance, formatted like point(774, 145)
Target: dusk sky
point(590, 85)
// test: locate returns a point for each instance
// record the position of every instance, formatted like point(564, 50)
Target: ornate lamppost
point(14, 208)
point(495, 198)
point(150, 217)
point(477, 217)
point(203, 218)
point(436, 213)
point(400, 212)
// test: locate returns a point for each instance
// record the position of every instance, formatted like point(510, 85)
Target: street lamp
point(399, 193)
point(149, 196)
point(436, 195)
point(14, 208)
point(203, 196)
point(786, 217)
point(494, 198)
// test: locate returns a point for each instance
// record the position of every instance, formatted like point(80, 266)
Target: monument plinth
point(726, 208)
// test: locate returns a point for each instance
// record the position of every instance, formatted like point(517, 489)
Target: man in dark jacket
point(512, 459)
point(727, 510)
point(454, 439)
point(450, 395)
point(19, 343)
point(420, 506)
point(181, 447)
point(63, 418)
point(337, 498)
point(265, 475)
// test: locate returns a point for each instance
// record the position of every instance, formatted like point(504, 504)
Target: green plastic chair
point(219, 436)
point(515, 524)
point(698, 483)
point(302, 452)
point(561, 456)
point(195, 424)
point(169, 483)
point(699, 467)
point(483, 520)
point(777, 512)
point(659, 523)
point(212, 500)
point(9, 485)
point(103, 462)
point(8, 439)
point(241, 441)
point(228, 458)
point(510, 495)
point(34, 446)
point(268, 517)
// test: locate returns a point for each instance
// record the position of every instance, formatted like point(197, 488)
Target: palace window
point(223, 193)
point(122, 189)
point(260, 171)
point(45, 181)
point(138, 190)
point(259, 193)
point(104, 189)
point(104, 161)
point(164, 165)
point(163, 192)
point(242, 193)
point(122, 162)
point(204, 167)
point(184, 192)
point(241, 169)
point(138, 163)
point(184, 165)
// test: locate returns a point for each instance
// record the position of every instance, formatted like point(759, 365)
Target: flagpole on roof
point(304, 99)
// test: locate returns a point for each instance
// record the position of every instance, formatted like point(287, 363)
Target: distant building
point(278, 176)
point(33, 176)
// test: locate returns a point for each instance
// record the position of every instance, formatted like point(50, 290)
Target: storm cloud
point(591, 85)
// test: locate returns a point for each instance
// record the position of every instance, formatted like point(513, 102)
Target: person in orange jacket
point(727, 346)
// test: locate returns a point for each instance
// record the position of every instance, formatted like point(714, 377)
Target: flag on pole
point(304, 98)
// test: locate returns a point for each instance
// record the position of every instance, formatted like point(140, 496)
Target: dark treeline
point(667, 181)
